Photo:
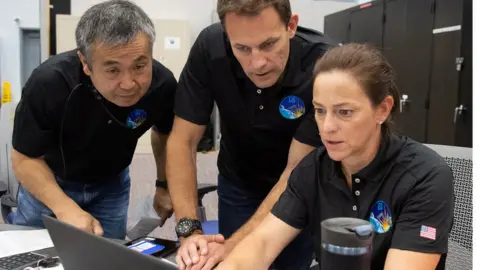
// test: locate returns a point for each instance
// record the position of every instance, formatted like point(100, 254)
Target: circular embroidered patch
point(381, 217)
point(292, 107)
point(136, 118)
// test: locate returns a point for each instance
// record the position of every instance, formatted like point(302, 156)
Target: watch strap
point(161, 184)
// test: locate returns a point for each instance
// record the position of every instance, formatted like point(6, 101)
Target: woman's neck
point(353, 164)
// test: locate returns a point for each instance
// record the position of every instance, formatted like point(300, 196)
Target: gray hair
point(115, 22)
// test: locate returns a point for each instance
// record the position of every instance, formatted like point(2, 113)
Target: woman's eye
point(345, 112)
point(319, 111)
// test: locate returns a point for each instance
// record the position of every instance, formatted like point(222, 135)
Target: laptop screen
point(146, 247)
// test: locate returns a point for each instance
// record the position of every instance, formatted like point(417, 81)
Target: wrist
point(64, 206)
point(161, 184)
point(229, 245)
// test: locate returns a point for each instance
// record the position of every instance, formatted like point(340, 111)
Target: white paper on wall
point(172, 43)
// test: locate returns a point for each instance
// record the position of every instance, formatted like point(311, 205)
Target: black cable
point(61, 131)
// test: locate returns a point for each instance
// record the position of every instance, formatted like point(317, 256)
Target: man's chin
point(264, 83)
point(126, 102)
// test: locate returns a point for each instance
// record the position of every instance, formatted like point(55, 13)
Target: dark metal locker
point(408, 32)
point(366, 24)
point(336, 26)
point(445, 78)
point(463, 125)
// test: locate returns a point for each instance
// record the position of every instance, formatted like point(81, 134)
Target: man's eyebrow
point(268, 40)
point(110, 63)
point(141, 58)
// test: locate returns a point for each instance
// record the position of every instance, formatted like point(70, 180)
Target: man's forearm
point(262, 211)
point(250, 253)
point(181, 177)
point(36, 177)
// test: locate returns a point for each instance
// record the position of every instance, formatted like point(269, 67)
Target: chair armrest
point(3, 188)
point(7, 202)
point(204, 189)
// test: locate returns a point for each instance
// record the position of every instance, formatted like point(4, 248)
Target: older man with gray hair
point(79, 120)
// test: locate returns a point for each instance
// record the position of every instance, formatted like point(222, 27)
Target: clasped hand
point(202, 252)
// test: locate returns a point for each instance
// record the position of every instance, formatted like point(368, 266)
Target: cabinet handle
point(458, 112)
point(403, 102)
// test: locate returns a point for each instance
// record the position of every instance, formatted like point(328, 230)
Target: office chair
point(208, 226)
point(460, 240)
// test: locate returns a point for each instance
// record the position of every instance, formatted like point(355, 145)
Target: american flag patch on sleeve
point(428, 232)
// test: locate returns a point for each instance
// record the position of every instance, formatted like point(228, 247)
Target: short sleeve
point(293, 205)
point(34, 122)
point(307, 131)
point(164, 122)
point(194, 99)
point(426, 218)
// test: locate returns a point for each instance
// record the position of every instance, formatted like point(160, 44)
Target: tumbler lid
point(347, 232)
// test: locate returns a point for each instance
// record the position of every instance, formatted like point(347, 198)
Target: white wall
point(198, 12)
point(27, 13)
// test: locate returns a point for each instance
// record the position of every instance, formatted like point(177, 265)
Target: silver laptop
point(80, 250)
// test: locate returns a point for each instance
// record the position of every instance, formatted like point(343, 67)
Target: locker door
point(336, 26)
point(408, 32)
point(366, 24)
point(444, 90)
point(463, 135)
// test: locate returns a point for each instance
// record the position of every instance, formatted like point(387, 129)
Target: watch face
point(184, 227)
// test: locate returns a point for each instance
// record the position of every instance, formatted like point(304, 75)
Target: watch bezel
point(192, 225)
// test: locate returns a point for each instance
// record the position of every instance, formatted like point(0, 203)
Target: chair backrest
point(460, 241)
point(6, 127)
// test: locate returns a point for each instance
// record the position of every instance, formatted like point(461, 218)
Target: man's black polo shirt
point(407, 187)
point(94, 145)
point(257, 125)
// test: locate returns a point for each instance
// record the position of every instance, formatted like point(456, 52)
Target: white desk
point(7, 227)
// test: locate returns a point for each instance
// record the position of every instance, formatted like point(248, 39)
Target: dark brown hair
point(369, 67)
point(253, 8)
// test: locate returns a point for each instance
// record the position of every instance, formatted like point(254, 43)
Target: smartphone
point(153, 246)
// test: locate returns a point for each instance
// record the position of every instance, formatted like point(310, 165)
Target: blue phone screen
point(146, 247)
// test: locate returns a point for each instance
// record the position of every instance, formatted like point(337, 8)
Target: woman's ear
point(384, 109)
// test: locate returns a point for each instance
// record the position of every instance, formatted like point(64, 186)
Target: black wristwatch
point(161, 184)
point(187, 226)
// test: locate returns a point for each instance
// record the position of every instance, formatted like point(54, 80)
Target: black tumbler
point(346, 244)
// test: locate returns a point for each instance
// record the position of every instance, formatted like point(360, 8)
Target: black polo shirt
point(257, 125)
point(407, 187)
point(60, 111)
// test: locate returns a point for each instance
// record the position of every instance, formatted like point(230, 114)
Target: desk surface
point(8, 227)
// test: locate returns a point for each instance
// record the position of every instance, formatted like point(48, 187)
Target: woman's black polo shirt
point(95, 147)
point(257, 125)
point(406, 192)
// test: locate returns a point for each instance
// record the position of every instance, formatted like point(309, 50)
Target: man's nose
point(258, 60)
point(128, 81)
